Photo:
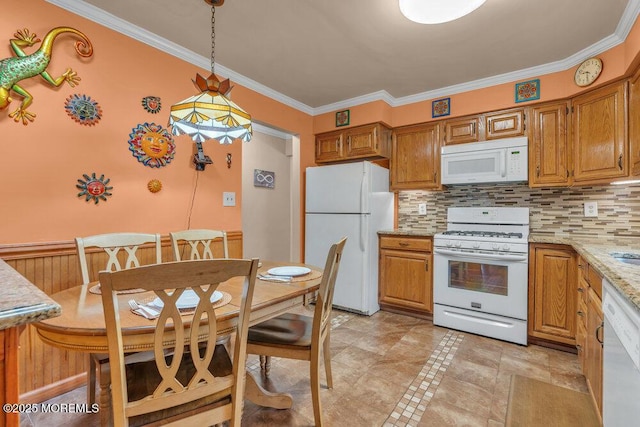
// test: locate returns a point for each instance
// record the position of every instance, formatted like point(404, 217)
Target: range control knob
point(495, 246)
point(448, 243)
point(506, 247)
point(476, 245)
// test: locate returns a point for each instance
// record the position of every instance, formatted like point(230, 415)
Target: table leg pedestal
point(105, 395)
point(258, 395)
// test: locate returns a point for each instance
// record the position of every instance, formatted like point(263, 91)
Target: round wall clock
point(588, 72)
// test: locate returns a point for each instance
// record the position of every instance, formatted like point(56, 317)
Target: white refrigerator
point(351, 200)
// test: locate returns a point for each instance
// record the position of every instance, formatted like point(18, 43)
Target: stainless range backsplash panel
point(553, 210)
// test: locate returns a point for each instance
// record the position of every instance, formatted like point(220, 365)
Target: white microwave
point(502, 160)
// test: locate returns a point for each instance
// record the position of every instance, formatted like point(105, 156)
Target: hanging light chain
point(213, 38)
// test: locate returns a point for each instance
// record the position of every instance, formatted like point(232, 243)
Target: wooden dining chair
point(294, 336)
point(188, 382)
point(113, 252)
point(199, 243)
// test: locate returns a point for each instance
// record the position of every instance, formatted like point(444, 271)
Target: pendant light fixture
point(210, 114)
point(437, 11)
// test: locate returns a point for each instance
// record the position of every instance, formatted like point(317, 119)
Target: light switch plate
point(591, 209)
point(422, 209)
point(228, 198)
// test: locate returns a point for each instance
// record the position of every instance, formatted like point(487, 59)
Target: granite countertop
point(596, 250)
point(21, 302)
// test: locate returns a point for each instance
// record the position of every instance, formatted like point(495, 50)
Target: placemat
point(534, 403)
point(226, 299)
point(95, 289)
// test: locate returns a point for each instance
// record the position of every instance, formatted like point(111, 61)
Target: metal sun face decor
point(93, 188)
point(83, 109)
point(152, 104)
point(152, 145)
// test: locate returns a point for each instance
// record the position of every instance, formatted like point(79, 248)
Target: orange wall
point(41, 162)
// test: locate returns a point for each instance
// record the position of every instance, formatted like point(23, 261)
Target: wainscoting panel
point(53, 267)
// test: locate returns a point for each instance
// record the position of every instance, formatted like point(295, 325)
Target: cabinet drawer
point(595, 280)
point(408, 243)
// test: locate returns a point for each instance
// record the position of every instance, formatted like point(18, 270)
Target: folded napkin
point(271, 278)
point(147, 314)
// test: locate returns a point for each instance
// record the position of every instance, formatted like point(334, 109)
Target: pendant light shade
point(210, 114)
point(437, 11)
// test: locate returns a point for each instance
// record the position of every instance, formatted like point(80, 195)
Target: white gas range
point(481, 266)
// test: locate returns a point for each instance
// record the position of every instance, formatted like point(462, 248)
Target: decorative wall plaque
point(264, 178)
point(441, 107)
point(528, 91)
point(152, 104)
point(83, 109)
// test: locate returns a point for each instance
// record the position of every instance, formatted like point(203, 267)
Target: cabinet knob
point(581, 290)
point(404, 244)
point(426, 265)
point(580, 313)
point(620, 162)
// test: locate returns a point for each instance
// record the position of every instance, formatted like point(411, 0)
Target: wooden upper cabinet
point(549, 154)
point(503, 124)
point(361, 142)
point(329, 147)
point(600, 135)
point(415, 160)
point(463, 130)
point(634, 125)
point(486, 126)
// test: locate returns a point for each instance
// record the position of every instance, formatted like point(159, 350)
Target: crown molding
point(124, 27)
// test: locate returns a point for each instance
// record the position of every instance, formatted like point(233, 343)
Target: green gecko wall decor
point(23, 66)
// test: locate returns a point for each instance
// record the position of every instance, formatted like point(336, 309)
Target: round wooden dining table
point(81, 326)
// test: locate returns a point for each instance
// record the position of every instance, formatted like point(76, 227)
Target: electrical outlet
point(422, 209)
point(228, 198)
point(591, 209)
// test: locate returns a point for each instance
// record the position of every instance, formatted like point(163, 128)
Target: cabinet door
point(634, 125)
point(415, 162)
point(361, 141)
point(548, 146)
point(594, 341)
point(505, 124)
point(329, 147)
point(552, 304)
point(600, 136)
point(405, 279)
point(460, 131)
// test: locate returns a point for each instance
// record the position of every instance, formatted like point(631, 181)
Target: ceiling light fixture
point(437, 11)
point(210, 114)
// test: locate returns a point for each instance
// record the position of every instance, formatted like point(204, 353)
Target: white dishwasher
point(621, 370)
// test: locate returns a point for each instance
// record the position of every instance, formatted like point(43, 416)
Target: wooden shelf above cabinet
point(366, 142)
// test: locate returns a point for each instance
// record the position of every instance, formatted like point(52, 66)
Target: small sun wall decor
point(83, 109)
point(154, 185)
point(152, 104)
point(152, 145)
point(93, 188)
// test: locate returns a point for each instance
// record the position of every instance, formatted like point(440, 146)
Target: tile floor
point(393, 370)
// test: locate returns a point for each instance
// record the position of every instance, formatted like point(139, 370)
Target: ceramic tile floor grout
point(392, 370)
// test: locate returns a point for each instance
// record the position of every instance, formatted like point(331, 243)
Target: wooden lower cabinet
point(552, 293)
point(405, 276)
point(590, 321)
point(593, 350)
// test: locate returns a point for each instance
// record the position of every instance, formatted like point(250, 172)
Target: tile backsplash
point(553, 210)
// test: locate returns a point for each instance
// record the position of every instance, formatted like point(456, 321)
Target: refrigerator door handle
point(363, 232)
point(363, 192)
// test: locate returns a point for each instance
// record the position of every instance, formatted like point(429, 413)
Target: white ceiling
point(320, 55)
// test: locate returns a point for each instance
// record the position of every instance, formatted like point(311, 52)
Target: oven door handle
point(462, 254)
